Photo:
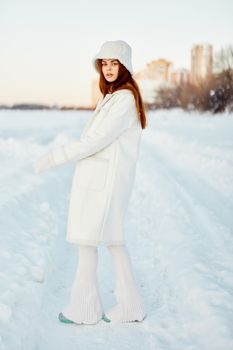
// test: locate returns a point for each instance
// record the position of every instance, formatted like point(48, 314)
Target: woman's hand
point(44, 163)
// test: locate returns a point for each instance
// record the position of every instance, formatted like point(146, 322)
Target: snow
point(178, 233)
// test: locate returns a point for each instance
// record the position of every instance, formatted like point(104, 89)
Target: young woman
point(106, 156)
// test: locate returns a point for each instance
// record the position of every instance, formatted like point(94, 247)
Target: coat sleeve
point(113, 125)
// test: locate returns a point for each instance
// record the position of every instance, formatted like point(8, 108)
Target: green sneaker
point(106, 319)
point(63, 319)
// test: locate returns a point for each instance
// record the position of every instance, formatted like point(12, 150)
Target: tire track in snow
point(206, 203)
point(206, 250)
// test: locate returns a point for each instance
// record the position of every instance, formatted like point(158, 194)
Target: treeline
point(36, 106)
point(214, 94)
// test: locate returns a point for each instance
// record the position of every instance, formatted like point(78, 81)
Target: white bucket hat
point(118, 49)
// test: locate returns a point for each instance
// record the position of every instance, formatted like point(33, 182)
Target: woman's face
point(110, 68)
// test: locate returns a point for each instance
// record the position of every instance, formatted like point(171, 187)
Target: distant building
point(157, 69)
point(154, 76)
point(201, 62)
point(180, 76)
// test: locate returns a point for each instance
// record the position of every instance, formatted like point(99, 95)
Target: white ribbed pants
point(85, 304)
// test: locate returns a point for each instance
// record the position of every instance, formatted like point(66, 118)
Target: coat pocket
point(92, 173)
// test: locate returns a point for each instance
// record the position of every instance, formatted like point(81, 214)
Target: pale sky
point(47, 46)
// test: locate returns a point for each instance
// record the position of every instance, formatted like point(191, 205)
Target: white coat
point(107, 153)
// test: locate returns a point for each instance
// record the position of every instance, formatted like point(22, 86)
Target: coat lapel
point(101, 102)
point(107, 97)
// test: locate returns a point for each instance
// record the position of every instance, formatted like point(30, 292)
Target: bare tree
point(224, 59)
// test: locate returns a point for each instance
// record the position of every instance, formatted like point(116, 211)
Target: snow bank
point(178, 230)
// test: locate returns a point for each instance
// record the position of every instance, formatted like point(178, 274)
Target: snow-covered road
point(178, 232)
